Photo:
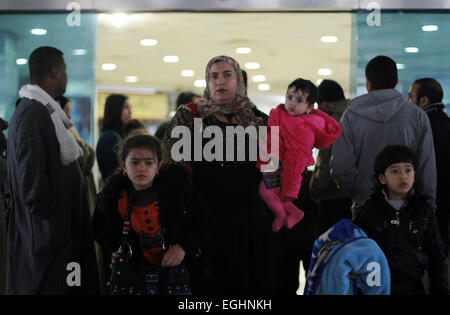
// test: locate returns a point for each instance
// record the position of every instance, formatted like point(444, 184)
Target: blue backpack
point(345, 261)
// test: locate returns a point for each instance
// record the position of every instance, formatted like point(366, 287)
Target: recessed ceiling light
point(171, 59)
point(430, 28)
point(200, 83)
point(38, 31)
point(131, 79)
point(329, 39)
point(252, 65)
point(149, 42)
point(324, 71)
point(119, 19)
point(400, 66)
point(187, 73)
point(318, 81)
point(79, 52)
point(259, 78)
point(263, 87)
point(411, 49)
point(243, 50)
point(21, 61)
point(108, 66)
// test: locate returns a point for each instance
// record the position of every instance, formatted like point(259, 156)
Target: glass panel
point(76, 42)
point(418, 53)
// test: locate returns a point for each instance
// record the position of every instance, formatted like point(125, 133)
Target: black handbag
point(129, 278)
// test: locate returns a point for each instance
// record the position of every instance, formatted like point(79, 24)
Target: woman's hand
point(173, 257)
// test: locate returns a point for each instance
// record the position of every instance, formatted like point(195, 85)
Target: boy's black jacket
point(410, 247)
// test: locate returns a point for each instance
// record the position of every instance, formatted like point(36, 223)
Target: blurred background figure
point(116, 115)
point(183, 98)
point(134, 126)
point(333, 204)
point(3, 126)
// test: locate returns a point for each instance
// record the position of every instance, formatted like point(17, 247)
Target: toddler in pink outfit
point(301, 128)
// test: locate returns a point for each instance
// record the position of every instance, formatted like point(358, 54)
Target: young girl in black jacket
point(403, 224)
point(170, 222)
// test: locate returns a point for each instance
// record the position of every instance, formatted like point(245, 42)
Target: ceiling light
point(411, 49)
point(200, 83)
point(252, 65)
point(430, 28)
point(131, 79)
point(243, 50)
point(38, 31)
point(329, 39)
point(108, 66)
point(400, 66)
point(21, 61)
point(259, 78)
point(79, 52)
point(171, 59)
point(263, 87)
point(324, 71)
point(318, 81)
point(119, 19)
point(149, 42)
point(187, 73)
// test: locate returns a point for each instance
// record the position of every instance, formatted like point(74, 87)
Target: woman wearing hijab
point(247, 258)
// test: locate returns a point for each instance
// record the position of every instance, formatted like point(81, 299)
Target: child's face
point(296, 102)
point(141, 166)
point(399, 179)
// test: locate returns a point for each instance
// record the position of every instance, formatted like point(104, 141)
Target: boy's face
point(296, 102)
point(399, 179)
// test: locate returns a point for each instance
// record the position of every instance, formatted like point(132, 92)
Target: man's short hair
point(382, 73)
point(42, 60)
point(430, 88)
point(185, 98)
point(330, 91)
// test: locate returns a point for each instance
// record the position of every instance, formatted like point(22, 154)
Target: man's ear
point(382, 179)
point(54, 72)
point(368, 85)
point(424, 101)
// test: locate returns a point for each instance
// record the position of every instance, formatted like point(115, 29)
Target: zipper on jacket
point(397, 234)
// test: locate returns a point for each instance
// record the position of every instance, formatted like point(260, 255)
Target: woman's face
point(126, 112)
point(222, 83)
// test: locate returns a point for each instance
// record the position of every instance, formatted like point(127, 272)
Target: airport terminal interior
point(153, 54)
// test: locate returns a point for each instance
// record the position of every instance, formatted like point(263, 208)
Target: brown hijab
point(241, 108)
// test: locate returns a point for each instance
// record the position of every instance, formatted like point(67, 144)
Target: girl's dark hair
point(140, 141)
point(389, 155)
point(305, 86)
point(113, 111)
point(3, 142)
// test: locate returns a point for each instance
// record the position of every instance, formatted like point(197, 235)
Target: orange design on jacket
point(146, 220)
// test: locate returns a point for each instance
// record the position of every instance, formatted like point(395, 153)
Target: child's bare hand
point(114, 257)
point(173, 257)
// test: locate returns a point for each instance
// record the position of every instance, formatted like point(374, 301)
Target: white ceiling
point(286, 45)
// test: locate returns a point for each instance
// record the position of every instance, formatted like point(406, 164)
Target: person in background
point(399, 218)
point(116, 115)
point(427, 93)
point(333, 204)
point(3, 145)
point(134, 126)
point(371, 121)
point(47, 226)
point(183, 98)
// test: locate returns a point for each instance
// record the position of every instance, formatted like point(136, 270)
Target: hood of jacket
point(379, 105)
